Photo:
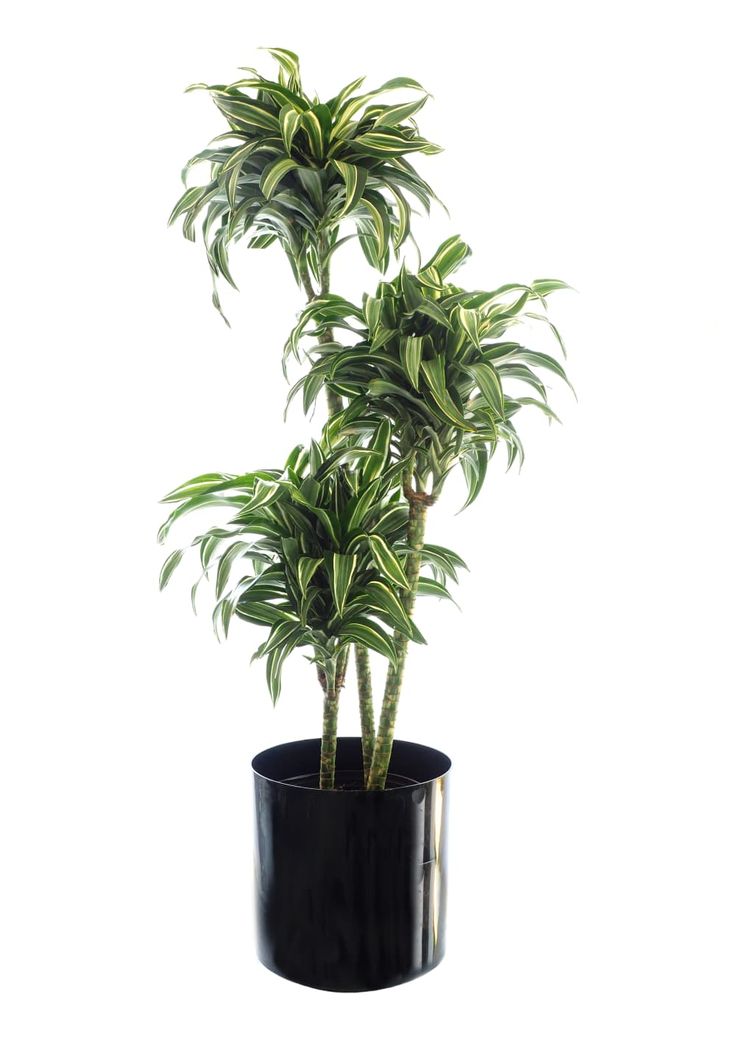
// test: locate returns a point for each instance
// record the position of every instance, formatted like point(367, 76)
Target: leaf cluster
point(291, 169)
point(315, 552)
point(433, 360)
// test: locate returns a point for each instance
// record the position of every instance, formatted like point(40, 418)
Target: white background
point(585, 692)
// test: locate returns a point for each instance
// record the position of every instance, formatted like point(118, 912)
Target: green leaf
point(290, 121)
point(279, 93)
point(386, 561)
point(392, 145)
point(225, 564)
point(275, 663)
point(369, 634)
point(474, 464)
point(280, 633)
point(545, 361)
point(383, 597)
point(198, 502)
point(490, 386)
point(336, 103)
point(470, 324)
point(517, 371)
point(444, 559)
point(381, 446)
point(262, 613)
point(449, 256)
point(354, 178)
point(398, 114)
point(549, 413)
point(379, 226)
point(346, 108)
point(434, 372)
point(362, 506)
point(404, 212)
point(330, 524)
point(411, 357)
point(274, 173)
point(222, 614)
point(199, 484)
point(315, 133)
point(169, 567)
point(262, 495)
point(246, 112)
point(433, 588)
point(546, 285)
point(289, 66)
point(340, 571)
point(207, 548)
point(185, 202)
point(305, 571)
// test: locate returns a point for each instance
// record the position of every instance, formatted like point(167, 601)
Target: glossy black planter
point(351, 886)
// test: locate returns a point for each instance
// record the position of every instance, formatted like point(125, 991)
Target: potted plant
point(327, 552)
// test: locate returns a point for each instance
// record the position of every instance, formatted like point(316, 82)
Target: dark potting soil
point(348, 781)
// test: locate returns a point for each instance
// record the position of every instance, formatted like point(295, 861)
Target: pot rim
point(408, 745)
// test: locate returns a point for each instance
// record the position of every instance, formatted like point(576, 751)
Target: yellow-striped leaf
point(411, 358)
point(490, 386)
point(354, 178)
point(169, 567)
point(386, 561)
point(305, 571)
point(449, 256)
point(340, 571)
point(434, 373)
point(246, 112)
point(470, 324)
point(290, 121)
point(315, 135)
point(274, 173)
point(369, 634)
point(398, 114)
point(392, 146)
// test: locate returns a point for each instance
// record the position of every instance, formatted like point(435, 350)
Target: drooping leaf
point(354, 178)
point(371, 635)
point(274, 173)
point(387, 562)
point(169, 567)
point(340, 571)
point(490, 386)
point(449, 256)
point(306, 570)
point(411, 358)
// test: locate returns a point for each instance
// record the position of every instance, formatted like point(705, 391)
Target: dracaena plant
point(314, 553)
point(293, 169)
point(415, 381)
point(433, 361)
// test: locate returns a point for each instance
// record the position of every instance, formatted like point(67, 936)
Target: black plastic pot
point(351, 886)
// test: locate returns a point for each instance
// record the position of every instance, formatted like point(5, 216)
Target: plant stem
point(365, 703)
point(328, 748)
point(331, 685)
point(418, 504)
point(334, 401)
point(307, 282)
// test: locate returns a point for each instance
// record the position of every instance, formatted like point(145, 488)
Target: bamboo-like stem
point(332, 685)
point(307, 283)
point(418, 504)
point(365, 704)
point(328, 747)
point(334, 401)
